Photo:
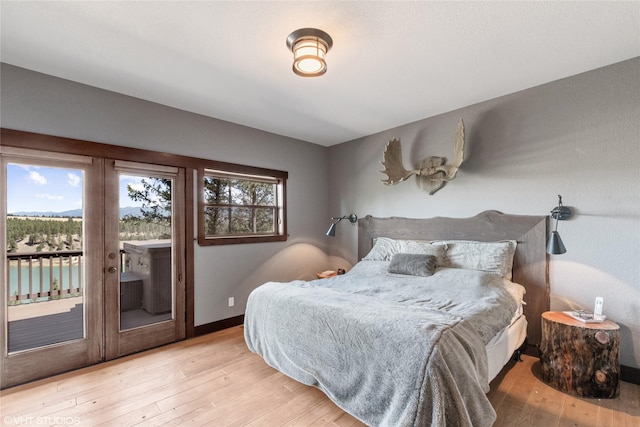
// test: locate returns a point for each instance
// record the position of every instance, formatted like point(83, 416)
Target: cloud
point(73, 179)
point(49, 197)
point(36, 178)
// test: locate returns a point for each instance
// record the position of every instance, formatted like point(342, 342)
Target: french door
point(93, 262)
point(144, 257)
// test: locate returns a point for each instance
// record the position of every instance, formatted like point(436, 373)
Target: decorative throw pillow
point(412, 264)
point(493, 257)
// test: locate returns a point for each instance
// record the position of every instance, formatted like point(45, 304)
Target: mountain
point(72, 213)
point(77, 213)
point(130, 210)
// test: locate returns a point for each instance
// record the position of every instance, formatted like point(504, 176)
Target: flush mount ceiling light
point(309, 47)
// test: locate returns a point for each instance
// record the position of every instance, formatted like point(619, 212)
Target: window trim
point(246, 172)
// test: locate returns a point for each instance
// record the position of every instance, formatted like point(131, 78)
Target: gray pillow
point(412, 264)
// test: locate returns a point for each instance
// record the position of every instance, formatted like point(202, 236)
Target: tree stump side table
point(581, 359)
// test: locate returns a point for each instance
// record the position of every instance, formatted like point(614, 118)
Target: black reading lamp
point(353, 218)
point(559, 213)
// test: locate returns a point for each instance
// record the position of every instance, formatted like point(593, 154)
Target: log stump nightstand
point(578, 358)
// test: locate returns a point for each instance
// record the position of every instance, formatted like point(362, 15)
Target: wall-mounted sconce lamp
point(353, 218)
point(309, 47)
point(559, 213)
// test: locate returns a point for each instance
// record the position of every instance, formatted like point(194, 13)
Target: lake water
point(46, 278)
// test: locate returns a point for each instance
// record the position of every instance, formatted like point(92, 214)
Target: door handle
point(112, 269)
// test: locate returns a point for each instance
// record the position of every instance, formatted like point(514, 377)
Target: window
point(241, 204)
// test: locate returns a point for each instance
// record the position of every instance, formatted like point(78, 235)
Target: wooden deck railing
point(40, 285)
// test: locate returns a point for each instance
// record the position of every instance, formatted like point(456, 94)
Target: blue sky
point(43, 189)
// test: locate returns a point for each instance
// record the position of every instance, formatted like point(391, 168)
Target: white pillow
point(516, 290)
point(384, 248)
point(493, 257)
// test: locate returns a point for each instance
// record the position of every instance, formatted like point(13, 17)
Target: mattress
point(504, 344)
point(508, 340)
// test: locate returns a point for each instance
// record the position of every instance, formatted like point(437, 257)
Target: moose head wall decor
point(433, 171)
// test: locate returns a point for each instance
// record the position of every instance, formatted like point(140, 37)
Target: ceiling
point(391, 63)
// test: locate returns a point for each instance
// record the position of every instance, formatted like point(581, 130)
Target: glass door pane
point(45, 252)
point(144, 248)
point(51, 233)
point(145, 242)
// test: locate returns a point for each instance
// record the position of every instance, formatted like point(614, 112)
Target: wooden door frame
point(122, 342)
point(22, 139)
point(36, 363)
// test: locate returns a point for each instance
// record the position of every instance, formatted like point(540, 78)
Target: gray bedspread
point(391, 350)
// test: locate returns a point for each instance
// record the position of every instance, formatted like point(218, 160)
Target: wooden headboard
point(530, 264)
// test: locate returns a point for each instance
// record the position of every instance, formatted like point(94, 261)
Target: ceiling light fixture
point(309, 47)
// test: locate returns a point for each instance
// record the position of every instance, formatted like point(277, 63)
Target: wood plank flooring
point(214, 380)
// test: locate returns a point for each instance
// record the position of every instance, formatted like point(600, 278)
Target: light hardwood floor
point(214, 380)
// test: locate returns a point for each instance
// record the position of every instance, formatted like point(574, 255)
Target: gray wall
point(40, 103)
point(578, 137)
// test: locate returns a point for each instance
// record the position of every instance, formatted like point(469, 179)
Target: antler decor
point(433, 172)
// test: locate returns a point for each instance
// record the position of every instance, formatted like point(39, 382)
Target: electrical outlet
point(232, 301)
point(597, 310)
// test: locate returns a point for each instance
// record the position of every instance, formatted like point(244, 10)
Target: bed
point(395, 343)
